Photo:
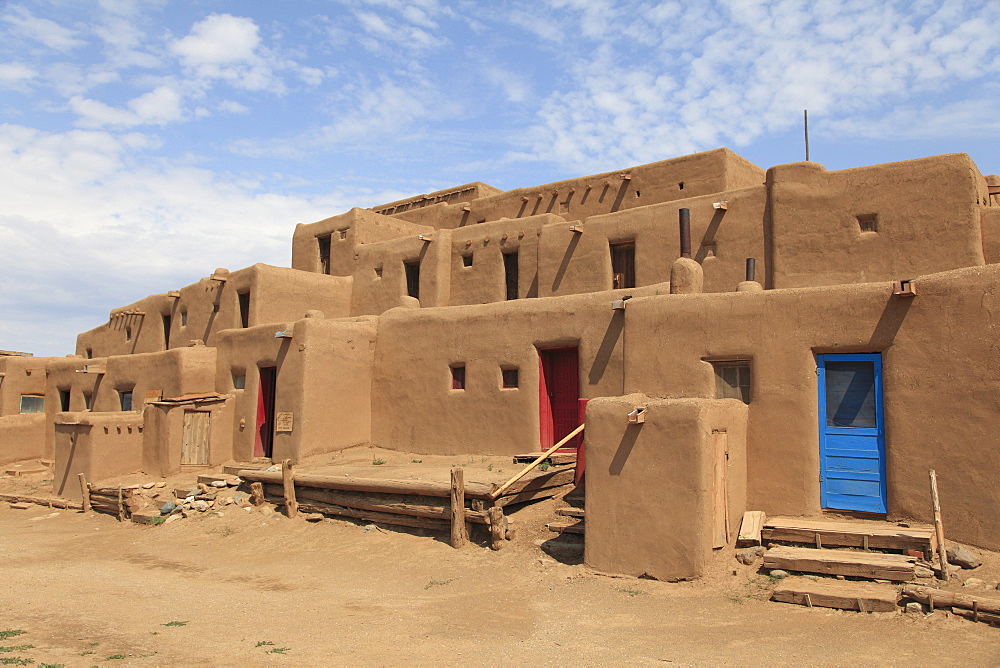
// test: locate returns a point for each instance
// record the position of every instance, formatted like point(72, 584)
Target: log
point(531, 495)
point(121, 505)
point(541, 481)
point(567, 527)
point(947, 599)
point(288, 481)
point(859, 596)
point(362, 501)
point(475, 490)
point(256, 493)
point(939, 528)
point(977, 616)
point(459, 532)
point(498, 527)
point(523, 472)
point(85, 492)
point(377, 518)
point(41, 501)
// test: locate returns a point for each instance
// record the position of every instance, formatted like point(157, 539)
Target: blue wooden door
point(851, 433)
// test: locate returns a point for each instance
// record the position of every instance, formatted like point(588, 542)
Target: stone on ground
point(963, 556)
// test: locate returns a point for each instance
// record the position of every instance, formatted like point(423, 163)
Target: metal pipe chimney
point(685, 226)
point(751, 268)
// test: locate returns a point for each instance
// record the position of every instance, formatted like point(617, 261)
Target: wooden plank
point(459, 532)
point(566, 527)
point(523, 497)
point(938, 528)
point(977, 616)
point(475, 490)
point(871, 565)
point(571, 512)
point(750, 528)
point(837, 594)
point(879, 536)
point(542, 480)
point(41, 501)
point(374, 503)
point(720, 496)
point(948, 599)
point(234, 469)
point(85, 491)
point(377, 518)
point(257, 493)
point(195, 437)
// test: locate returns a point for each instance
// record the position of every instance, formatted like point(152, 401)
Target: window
point(732, 380)
point(510, 378)
point(128, 332)
point(239, 381)
point(868, 222)
point(125, 399)
point(31, 403)
point(88, 400)
point(184, 318)
point(343, 233)
point(324, 254)
point(90, 353)
point(467, 260)
point(412, 278)
point(166, 332)
point(458, 377)
point(510, 274)
point(244, 308)
point(623, 265)
point(64, 400)
point(378, 271)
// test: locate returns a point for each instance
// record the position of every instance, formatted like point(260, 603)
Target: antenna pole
point(805, 118)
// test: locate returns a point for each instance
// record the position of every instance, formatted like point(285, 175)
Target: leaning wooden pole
point(459, 534)
point(939, 528)
point(288, 480)
point(545, 455)
point(85, 491)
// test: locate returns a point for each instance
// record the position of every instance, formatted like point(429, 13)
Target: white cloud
point(232, 107)
point(160, 106)
point(15, 75)
point(220, 39)
point(45, 31)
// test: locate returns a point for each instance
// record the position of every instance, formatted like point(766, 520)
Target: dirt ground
point(254, 588)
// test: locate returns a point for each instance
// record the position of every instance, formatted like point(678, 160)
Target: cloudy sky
point(145, 142)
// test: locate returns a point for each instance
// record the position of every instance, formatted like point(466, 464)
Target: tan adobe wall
point(990, 222)
point(24, 436)
point(171, 373)
point(701, 174)
point(651, 487)
point(469, 191)
point(380, 276)
point(21, 375)
point(344, 232)
point(927, 221)
point(164, 434)
point(135, 328)
point(99, 445)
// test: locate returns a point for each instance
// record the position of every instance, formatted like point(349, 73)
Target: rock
point(189, 498)
point(186, 513)
point(167, 508)
point(914, 608)
point(841, 577)
point(228, 501)
point(172, 518)
point(203, 488)
point(177, 510)
point(205, 497)
point(238, 497)
point(368, 528)
point(778, 573)
point(963, 556)
point(750, 555)
point(148, 485)
point(233, 482)
point(219, 483)
point(200, 506)
point(312, 517)
point(20, 506)
point(159, 485)
point(922, 572)
point(973, 582)
point(147, 518)
point(249, 509)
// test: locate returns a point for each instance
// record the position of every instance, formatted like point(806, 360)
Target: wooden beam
point(939, 528)
point(85, 492)
point(947, 599)
point(750, 528)
point(41, 501)
point(523, 472)
point(860, 596)
point(459, 534)
point(870, 565)
point(836, 533)
point(378, 518)
point(566, 527)
point(474, 490)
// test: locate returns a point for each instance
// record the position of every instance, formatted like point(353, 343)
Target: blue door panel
point(852, 437)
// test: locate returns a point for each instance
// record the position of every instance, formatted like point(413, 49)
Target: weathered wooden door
point(264, 438)
point(558, 396)
point(851, 433)
point(195, 442)
point(720, 501)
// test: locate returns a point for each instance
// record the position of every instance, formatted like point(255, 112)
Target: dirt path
point(252, 589)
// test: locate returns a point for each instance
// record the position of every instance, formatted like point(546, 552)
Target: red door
point(264, 438)
point(559, 393)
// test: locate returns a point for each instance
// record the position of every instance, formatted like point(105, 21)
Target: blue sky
point(145, 142)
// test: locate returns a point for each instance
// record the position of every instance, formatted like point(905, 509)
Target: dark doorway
point(510, 274)
point(244, 309)
point(166, 332)
point(412, 278)
point(558, 396)
point(264, 439)
point(324, 254)
point(623, 265)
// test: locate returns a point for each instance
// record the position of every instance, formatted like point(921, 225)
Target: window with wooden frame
point(509, 377)
point(732, 379)
point(623, 265)
point(868, 222)
point(457, 376)
point(324, 253)
point(32, 403)
point(125, 399)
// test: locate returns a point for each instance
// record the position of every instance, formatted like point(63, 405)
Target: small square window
point(343, 233)
point(125, 399)
point(239, 381)
point(458, 377)
point(32, 403)
point(467, 260)
point(510, 378)
point(868, 222)
point(732, 380)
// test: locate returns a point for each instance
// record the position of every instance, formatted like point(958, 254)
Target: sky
point(143, 143)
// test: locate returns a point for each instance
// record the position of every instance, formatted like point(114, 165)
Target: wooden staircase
point(574, 524)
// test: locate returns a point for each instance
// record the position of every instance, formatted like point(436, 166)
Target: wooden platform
point(872, 565)
point(556, 459)
point(566, 527)
point(859, 596)
point(849, 533)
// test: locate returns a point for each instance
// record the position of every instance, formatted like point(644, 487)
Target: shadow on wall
point(624, 449)
point(567, 256)
point(611, 336)
point(709, 237)
point(889, 322)
point(69, 465)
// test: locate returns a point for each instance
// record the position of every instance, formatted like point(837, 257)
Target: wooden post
point(288, 479)
point(458, 532)
point(939, 528)
point(121, 505)
point(85, 491)
point(498, 527)
point(257, 493)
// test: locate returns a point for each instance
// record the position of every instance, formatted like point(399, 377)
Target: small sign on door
point(283, 421)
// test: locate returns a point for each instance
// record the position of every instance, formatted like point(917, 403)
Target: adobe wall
point(927, 221)
point(24, 436)
point(469, 191)
point(380, 275)
point(278, 294)
point(695, 175)
point(99, 445)
point(164, 435)
point(938, 384)
point(22, 375)
point(651, 487)
point(989, 220)
point(135, 328)
point(346, 231)
point(171, 373)
point(323, 379)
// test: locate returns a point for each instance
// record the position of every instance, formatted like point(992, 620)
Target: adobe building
point(792, 340)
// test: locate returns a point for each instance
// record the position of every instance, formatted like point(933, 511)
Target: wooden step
point(234, 469)
point(859, 596)
point(872, 565)
point(566, 527)
point(555, 459)
point(844, 533)
point(571, 512)
point(750, 528)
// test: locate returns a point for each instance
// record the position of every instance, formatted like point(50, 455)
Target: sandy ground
point(255, 588)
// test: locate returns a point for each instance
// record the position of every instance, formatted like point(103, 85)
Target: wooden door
point(851, 433)
point(194, 446)
point(720, 501)
point(264, 438)
point(559, 394)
